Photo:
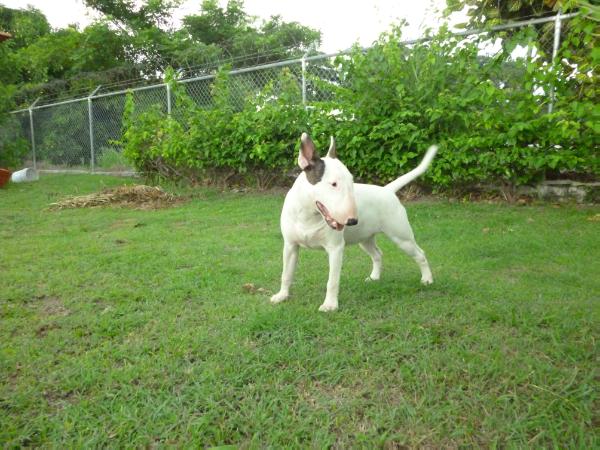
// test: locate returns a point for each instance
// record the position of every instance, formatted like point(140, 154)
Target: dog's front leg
point(290, 258)
point(336, 256)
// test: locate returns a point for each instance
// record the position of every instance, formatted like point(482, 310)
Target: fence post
point(32, 132)
point(168, 98)
point(91, 125)
point(557, 24)
point(304, 79)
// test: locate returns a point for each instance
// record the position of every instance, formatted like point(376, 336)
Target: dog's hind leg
point(410, 247)
point(290, 258)
point(376, 255)
point(398, 229)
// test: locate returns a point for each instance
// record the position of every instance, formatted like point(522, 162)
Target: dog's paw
point(279, 297)
point(426, 281)
point(370, 278)
point(326, 307)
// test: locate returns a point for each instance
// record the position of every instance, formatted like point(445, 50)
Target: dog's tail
point(399, 183)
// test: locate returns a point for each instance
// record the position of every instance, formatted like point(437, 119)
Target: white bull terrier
point(326, 209)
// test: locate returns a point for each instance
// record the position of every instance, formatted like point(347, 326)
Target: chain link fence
point(83, 134)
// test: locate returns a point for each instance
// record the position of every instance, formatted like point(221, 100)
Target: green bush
point(13, 153)
point(258, 140)
point(403, 99)
point(391, 103)
point(14, 149)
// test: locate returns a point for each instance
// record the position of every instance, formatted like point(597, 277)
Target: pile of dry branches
point(135, 196)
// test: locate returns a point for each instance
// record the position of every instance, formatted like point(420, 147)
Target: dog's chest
point(311, 237)
point(307, 235)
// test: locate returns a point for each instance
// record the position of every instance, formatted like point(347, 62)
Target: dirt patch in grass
point(58, 399)
point(126, 223)
point(137, 196)
point(50, 306)
point(44, 329)
point(250, 288)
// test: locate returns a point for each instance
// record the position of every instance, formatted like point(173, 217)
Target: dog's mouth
point(327, 216)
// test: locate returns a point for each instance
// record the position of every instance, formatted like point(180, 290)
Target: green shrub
point(13, 153)
point(259, 139)
point(397, 101)
point(14, 149)
point(391, 103)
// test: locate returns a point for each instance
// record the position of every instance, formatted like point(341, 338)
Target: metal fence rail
point(83, 134)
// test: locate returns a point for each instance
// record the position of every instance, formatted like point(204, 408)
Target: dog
point(325, 209)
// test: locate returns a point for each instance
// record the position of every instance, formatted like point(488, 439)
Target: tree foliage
point(578, 56)
point(134, 14)
point(136, 40)
point(26, 25)
point(231, 32)
point(486, 12)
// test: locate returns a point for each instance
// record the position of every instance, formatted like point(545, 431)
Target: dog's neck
point(304, 200)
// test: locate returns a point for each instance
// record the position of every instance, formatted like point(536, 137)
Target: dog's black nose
point(352, 221)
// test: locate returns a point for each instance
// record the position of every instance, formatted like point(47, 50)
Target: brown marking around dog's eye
point(314, 172)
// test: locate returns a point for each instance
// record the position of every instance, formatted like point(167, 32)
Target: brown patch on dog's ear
point(308, 153)
point(314, 172)
point(332, 153)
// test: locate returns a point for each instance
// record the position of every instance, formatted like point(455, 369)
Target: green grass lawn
point(126, 328)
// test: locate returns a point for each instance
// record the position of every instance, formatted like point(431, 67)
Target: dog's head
point(331, 184)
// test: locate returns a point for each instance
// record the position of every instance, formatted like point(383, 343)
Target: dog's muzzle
point(327, 216)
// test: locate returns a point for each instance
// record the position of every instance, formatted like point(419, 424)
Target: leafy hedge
point(13, 149)
point(390, 103)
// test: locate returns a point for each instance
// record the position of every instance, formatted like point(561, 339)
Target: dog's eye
point(334, 184)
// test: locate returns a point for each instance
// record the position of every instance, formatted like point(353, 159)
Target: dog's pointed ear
point(308, 152)
point(332, 153)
